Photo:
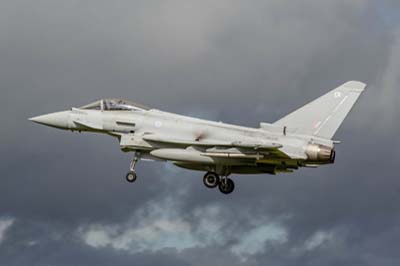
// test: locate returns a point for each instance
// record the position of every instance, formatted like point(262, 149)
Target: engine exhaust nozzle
point(320, 153)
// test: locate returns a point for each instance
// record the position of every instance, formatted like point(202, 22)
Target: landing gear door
point(130, 142)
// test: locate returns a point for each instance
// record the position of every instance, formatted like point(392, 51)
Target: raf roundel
point(158, 124)
point(338, 94)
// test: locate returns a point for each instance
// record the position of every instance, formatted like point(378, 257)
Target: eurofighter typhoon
point(303, 138)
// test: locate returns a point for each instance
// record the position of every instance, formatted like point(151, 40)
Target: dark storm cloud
point(241, 62)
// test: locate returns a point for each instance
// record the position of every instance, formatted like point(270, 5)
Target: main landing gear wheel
point(211, 180)
point(226, 185)
point(131, 176)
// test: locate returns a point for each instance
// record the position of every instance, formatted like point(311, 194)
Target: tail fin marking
point(323, 116)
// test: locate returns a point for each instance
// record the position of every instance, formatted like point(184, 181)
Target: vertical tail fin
point(323, 116)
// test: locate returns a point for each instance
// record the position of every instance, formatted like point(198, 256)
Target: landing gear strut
point(131, 175)
point(224, 184)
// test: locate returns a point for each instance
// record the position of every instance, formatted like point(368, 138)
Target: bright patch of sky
point(5, 224)
point(318, 239)
point(154, 236)
point(255, 240)
point(161, 227)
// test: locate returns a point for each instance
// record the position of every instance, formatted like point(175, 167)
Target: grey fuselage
point(199, 144)
point(302, 138)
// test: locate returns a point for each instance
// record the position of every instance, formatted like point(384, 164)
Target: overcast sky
point(63, 196)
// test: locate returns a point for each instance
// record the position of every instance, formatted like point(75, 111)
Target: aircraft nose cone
point(58, 120)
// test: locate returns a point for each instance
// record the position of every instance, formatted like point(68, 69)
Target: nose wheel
point(131, 176)
point(224, 184)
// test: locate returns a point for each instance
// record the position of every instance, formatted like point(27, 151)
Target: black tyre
point(131, 176)
point(211, 180)
point(226, 186)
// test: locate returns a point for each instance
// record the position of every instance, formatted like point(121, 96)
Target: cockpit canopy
point(115, 105)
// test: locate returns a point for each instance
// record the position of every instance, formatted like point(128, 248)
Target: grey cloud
point(240, 62)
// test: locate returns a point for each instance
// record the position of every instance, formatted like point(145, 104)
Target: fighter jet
point(302, 138)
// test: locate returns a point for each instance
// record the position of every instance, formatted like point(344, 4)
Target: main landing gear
point(211, 179)
point(131, 176)
point(225, 184)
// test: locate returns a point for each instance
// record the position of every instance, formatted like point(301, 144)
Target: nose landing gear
point(224, 184)
point(131, 176)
